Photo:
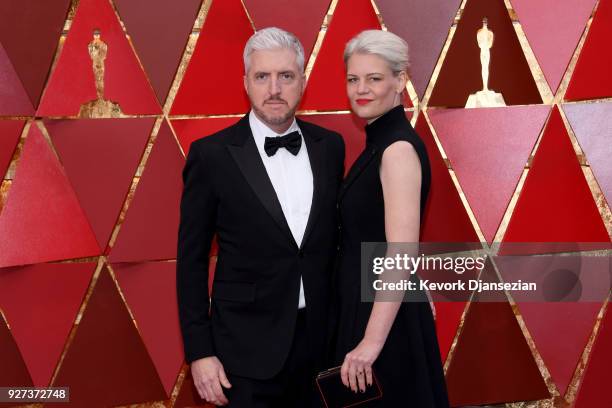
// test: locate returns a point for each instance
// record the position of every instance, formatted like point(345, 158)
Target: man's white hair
point(385, 44)
point(273, 38)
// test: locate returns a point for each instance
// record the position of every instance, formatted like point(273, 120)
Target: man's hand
point(208, 376)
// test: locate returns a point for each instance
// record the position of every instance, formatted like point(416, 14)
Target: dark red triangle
point(301, 17)
point(492, 362)
point(72, 81)
point(188, 130)
point(149, 230)
point(569, 292)
point(213, 84)
point(591, 78)
point(555, 204)
point(594, 389)
point(30, 31)
point(106, 363)
point(40, 318)
point(545, 321)
point(100, 157)
point(445, 218)
point(503, 138)
point(14, 99)
point(14, 371)
point(460, 74)
point(10, 131)
point(42, 214)
point(448, 317)
point(326, 88)
point(159, 31)
point(150, 292)
point(424, 24)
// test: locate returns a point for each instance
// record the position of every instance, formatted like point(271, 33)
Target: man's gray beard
point(275, 120)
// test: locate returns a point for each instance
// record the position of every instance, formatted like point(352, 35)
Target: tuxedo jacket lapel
point(318, 164)
point(244, 151)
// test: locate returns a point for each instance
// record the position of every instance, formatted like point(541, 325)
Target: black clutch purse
point(336, 395)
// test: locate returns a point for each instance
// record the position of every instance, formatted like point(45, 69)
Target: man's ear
point(244, 81)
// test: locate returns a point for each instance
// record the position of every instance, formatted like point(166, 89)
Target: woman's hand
point(356, 369)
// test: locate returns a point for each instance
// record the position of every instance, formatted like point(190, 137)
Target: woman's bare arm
point(400, 175)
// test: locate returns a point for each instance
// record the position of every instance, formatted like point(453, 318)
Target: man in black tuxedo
point(267, 187)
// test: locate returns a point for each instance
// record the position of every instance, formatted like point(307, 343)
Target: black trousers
point(292, 387)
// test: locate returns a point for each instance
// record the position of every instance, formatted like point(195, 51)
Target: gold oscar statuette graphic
point(486, 98)
point(99, 107)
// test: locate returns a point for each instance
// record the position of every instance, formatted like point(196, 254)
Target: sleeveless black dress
point(409, 367)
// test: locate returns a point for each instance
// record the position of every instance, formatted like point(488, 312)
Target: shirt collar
point(261, 130)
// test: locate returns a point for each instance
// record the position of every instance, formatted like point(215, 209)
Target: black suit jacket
point(249, 320)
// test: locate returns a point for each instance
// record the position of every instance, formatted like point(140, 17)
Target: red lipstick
point(363, 101)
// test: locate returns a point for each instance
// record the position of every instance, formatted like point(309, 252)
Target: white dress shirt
point(291, 177)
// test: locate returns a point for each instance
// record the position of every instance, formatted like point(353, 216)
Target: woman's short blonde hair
point(385, 44)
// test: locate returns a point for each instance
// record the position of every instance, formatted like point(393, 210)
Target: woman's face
point(371, 86)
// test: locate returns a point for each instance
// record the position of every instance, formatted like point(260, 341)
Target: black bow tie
point(291, 141)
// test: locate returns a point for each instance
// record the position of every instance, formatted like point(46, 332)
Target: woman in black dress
point(381, 200)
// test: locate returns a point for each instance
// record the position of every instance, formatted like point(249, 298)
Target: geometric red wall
point(91, 205)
